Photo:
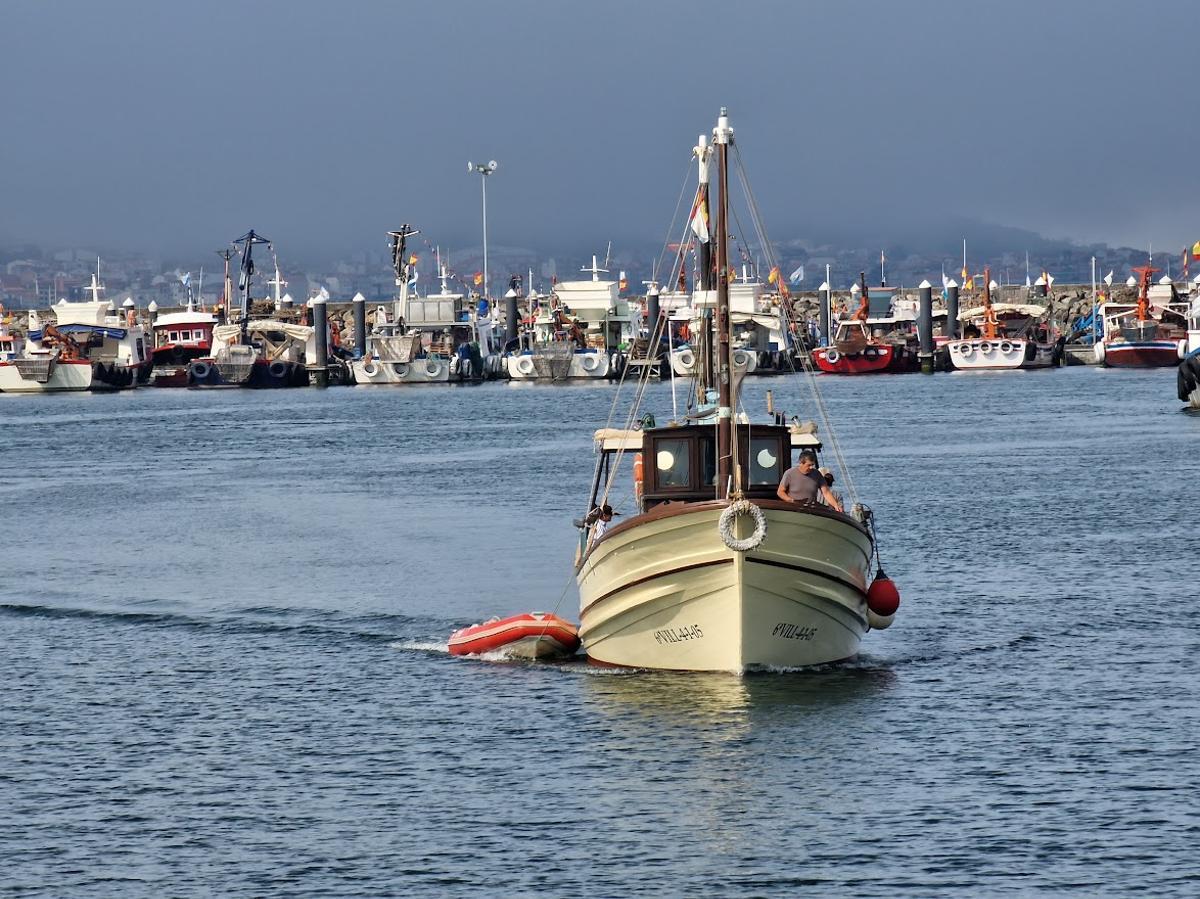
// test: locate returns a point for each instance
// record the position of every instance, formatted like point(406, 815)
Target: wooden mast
point(722, 135)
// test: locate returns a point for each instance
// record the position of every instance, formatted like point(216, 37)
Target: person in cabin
point(827, 474)
point(803, 483)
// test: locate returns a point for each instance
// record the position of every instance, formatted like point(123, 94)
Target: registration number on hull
point(678, 634)
point(788, 631)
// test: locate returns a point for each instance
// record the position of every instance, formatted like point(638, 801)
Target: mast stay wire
point(809, 371)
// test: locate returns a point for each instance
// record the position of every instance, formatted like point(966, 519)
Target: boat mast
point(703, 281)
point(722, 136)
point(400, 267)
point(248, 241)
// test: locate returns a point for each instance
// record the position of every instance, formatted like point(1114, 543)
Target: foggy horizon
point(173, 130)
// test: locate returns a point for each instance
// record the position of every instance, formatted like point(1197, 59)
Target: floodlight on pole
point(484, 169)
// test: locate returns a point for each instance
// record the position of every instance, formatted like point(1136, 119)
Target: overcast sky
point(178, 126)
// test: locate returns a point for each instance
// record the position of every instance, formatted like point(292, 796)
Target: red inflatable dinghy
point(533, 635)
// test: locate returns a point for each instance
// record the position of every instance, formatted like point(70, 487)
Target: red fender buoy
point(882, 597)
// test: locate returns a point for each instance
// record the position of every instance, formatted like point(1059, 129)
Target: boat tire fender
point(200, 371)
point(1006, 348)
point(433, 368)
point(589, 361)
point(370, 369)
point(400, 368)
point(277, 369)
point(525, 365)
point(985, 348)
point(731, 513)
point(965, 350)
point(832, 356)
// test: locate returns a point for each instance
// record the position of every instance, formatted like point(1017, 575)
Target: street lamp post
point(484, 169)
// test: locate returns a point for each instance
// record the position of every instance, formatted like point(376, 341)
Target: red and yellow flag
point(412, 260)
point(1196, 250)
point(478, 278)
point(773, 278)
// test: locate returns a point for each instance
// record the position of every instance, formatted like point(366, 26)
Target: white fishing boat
point(581, 331)
point(711, 570)
point(1005, 335)
point(89, 346)
point(435, 339)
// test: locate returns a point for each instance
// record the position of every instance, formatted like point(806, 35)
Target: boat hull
point(418, 371)
point(683, 362)
point(876, 359)
point(982, 354)
point(73, 375)
point(595, 366)
point(1141, 354)
point(205, 374)
point(663, 591)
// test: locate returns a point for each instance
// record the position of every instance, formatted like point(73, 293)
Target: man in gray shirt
point(803, 483)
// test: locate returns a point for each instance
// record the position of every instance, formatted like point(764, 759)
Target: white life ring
point(965, 350)
point(985, 348)
point(400, 368)
point(369, 368)
point(1006, 348)
point(433, 367)
point(725, 526)
point(832, 356)
point(687, 359)
point(740, 360)
point(525, 365)
point(589, 361)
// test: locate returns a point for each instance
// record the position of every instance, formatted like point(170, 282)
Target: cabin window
point(174, 337)
point(765, 457)
point(673, 463)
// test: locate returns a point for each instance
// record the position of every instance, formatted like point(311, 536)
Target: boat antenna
point(607, 256)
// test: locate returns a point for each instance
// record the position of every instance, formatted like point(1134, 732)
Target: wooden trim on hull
point(669, 509)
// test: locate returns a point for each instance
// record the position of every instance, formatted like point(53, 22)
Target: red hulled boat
point(856, 350)
point(532, 635)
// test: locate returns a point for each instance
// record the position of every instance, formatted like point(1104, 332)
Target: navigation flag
point(623, 283)
point(478, 278)
point(185, 278)
point(1108, 279)
point(412, 260)
point(699, 219)
point(797, 276)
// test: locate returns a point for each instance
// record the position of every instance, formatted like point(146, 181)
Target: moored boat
point(89, 346)
point(533, 635)
point(256, 353)
point(1150, 333)
point(712, 570)
point(1005, 335)
point(580, 331)
point(873, 341)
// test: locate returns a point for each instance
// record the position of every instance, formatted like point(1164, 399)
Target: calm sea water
point(223, 618)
